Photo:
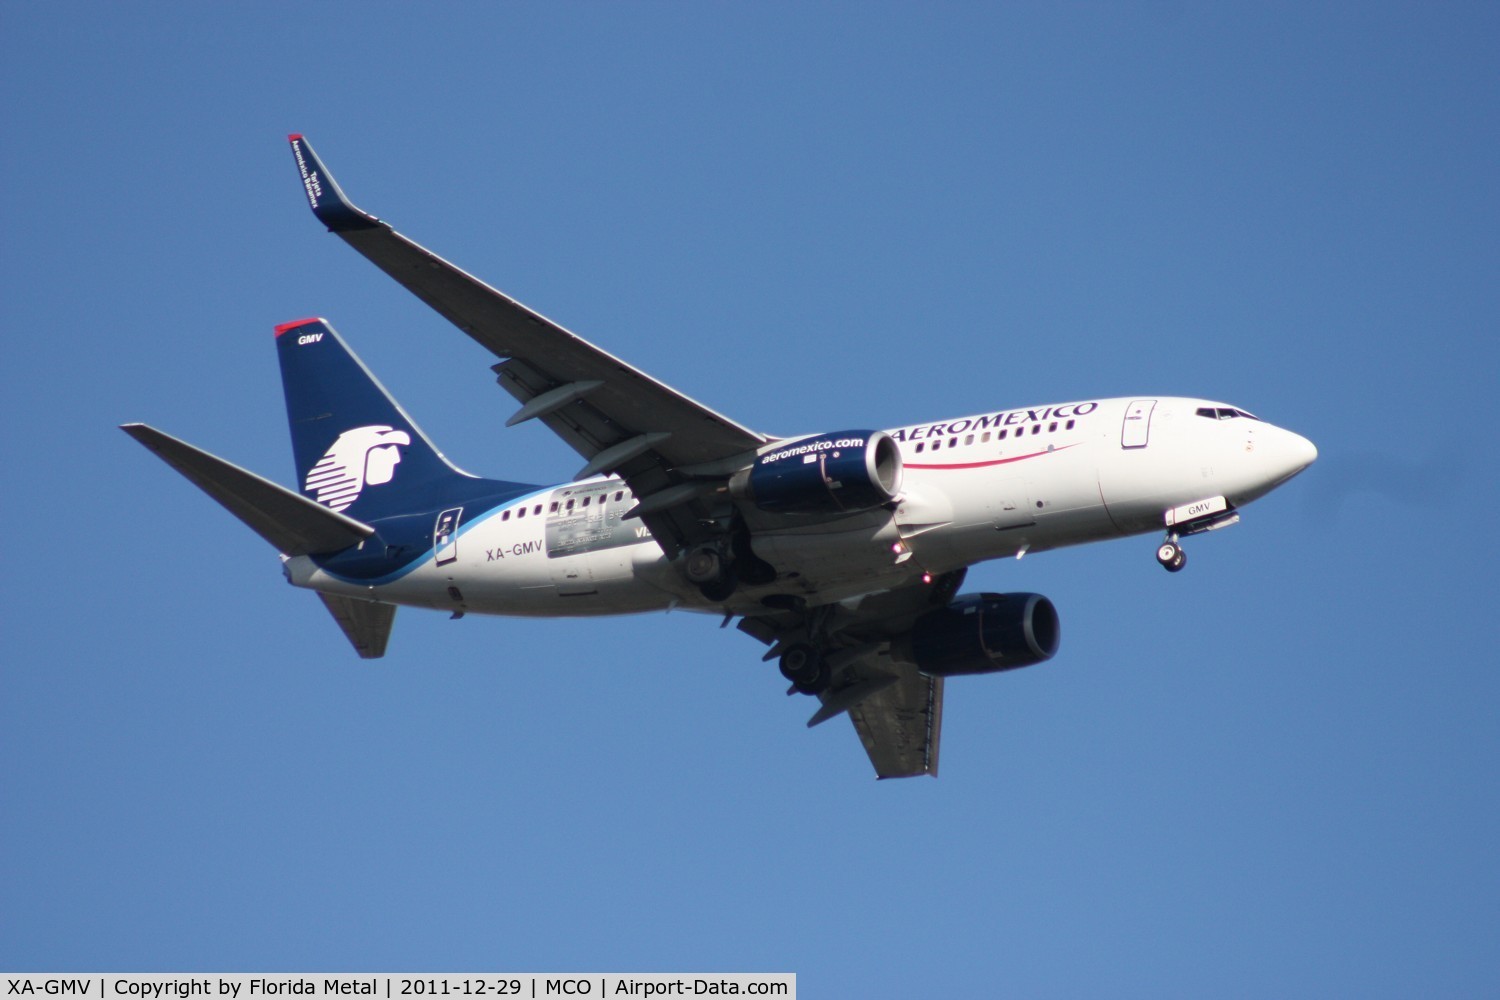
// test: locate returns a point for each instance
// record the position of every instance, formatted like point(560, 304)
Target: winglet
point(329, 203)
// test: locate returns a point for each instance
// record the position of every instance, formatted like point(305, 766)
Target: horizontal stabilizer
point(366, 623)
point(294, 524)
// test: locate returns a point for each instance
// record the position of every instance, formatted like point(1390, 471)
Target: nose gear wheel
point(1171, 555)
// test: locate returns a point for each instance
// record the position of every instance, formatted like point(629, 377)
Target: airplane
point(841, 552)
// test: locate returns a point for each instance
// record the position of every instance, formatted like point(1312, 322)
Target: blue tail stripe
point(357, 451)
point(351, 567)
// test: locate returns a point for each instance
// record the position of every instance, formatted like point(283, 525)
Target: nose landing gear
point(1194, 518)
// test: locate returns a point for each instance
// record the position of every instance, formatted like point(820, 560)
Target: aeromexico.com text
point(808, 447)
point(990, 421)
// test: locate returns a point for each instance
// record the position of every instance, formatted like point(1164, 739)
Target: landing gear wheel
point(807, 670)
point(703, 565)
point(1171, 556)
point(714, 575)
point(720, 590)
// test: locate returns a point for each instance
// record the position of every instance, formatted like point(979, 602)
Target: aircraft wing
point(896, 711)
point(617, 417)
point(900, 720)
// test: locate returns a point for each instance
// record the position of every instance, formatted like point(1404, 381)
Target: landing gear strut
point(1171, 555)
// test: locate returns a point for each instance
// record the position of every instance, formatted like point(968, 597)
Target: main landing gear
point(1171, 555)
point(806, 668)
point(717, 568)
point(712, 573)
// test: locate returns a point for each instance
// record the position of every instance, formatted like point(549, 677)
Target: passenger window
point(586, 501)
point(570, 504)
point(618, 495)
point(1036, 429)
point(505, 515)
point(553, 508)
point(521, 513)
point(986, 436)
point(1003, 435)
point(919, 447)
point(1070, 425)
point(936, 445)
point(969, 439)
point(953, 442)
point(1052, 427)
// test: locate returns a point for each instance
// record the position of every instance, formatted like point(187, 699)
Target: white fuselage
point(974, 488)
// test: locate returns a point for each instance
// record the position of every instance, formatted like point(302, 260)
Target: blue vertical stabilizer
point(357, 451)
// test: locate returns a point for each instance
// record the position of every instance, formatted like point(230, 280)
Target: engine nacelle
point(984, 633)
point(845, 471)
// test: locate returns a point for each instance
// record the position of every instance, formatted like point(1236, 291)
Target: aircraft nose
point(1304, 451)
point(1293, 453)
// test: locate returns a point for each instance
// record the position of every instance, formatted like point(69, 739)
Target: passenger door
point(1136, 430)
point(445, 536)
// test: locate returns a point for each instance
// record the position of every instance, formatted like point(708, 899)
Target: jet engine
point(984, 633)
point(842, 472)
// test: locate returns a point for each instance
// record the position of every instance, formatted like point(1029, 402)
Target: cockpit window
point(1224, 413)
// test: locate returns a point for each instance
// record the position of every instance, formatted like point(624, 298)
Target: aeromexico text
point(990, 421)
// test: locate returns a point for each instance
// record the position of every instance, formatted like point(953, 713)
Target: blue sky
point(1273, 774)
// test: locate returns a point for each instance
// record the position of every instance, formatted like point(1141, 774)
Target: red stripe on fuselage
point(981, 465)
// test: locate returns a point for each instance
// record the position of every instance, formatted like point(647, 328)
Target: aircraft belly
point(1139, 485)
point(819, 558)
point(1073, 527)
point(1069, 509)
